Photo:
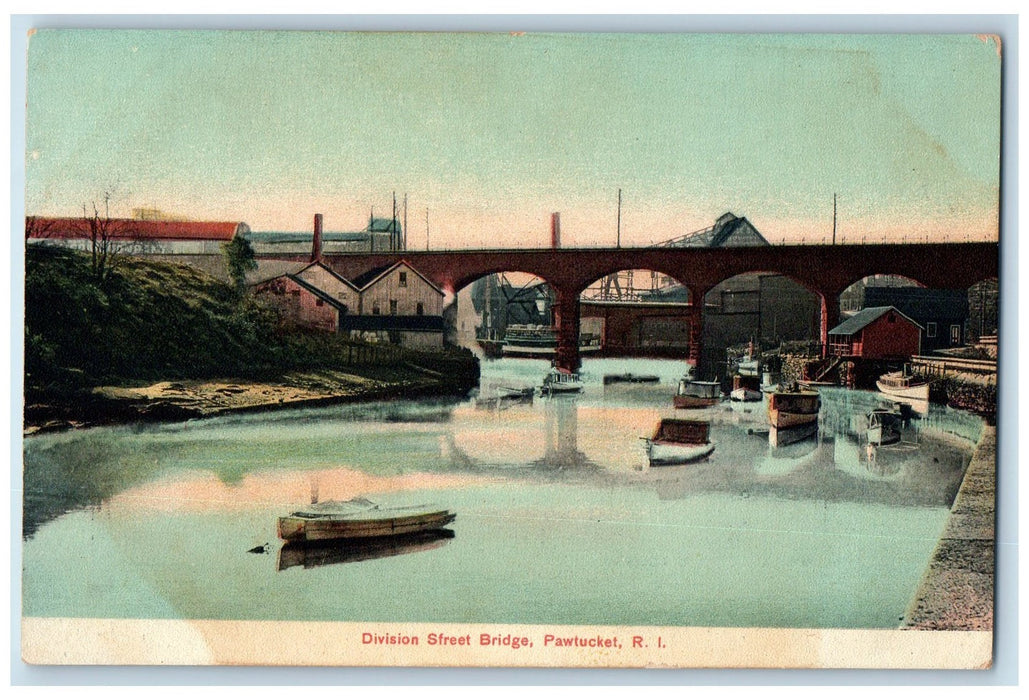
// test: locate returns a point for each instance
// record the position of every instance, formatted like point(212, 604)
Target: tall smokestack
point(316, 244)
point(555, 230)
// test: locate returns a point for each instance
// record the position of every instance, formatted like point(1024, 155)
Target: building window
point(375, 309)
point(420, 309)
point(403, 279)
point(392, 307)
point(930, 330)
point(955, 335)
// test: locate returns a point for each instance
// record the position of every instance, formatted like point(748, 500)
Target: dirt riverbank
point(183, 400)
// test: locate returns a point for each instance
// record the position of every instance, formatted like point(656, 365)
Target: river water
point(559, 519)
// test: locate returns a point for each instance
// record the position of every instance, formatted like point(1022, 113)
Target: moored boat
point(884, 427)
point(506, 396)
point(899, 385)
point(559, 381)
point(745, 395)
point(359, 518)
point(780, 437)
point(693, 393)
point(788, 409)
point(679, 441)
point(531, 340)
point(630, 378)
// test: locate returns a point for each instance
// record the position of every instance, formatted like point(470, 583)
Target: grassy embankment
point(162, 341)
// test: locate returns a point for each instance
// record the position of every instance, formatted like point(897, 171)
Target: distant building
point(876, 333)
point(395, 304)
point(398, 305)
point(196, 243)
point(941, 312)
point(308, 294)
point(381, 234)
point(755, 306)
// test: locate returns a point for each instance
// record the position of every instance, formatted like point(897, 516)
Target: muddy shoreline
point(193, 399)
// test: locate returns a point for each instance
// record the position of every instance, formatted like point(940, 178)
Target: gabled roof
point(271, 269)
point(728, 230)
point(268, 270)
point(362, 282)
point(864, 317)
point(328, 299)
point(135, 229)
point(384, 225)
point(328, 269)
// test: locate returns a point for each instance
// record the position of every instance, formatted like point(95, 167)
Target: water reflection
point(312, 554)
point(738, 539)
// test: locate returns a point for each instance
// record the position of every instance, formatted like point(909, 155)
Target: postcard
point(510, 349)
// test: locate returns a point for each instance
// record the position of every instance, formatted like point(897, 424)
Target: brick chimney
point(316, 244)
point(555, 230)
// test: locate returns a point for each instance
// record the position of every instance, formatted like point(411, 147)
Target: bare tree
point(37, 227)
point(109, 238)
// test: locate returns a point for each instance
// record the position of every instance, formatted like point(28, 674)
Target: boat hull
point(308, 528)
point(631, 379)
point(791, 410)
point(918, 392)
point(693, 401)
point(780, 437)
point(663, 454)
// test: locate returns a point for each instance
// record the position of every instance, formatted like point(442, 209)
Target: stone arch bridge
point(825, 270)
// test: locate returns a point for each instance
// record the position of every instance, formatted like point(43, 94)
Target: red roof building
point(72, 228)
point(876, 333)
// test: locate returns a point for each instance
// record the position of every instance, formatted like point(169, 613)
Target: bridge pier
point(830, 316)
point(696, 317)
point(566, 320)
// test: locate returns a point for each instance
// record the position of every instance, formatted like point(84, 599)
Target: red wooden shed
point(876, 333)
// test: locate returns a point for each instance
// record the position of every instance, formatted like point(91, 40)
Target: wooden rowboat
point(679, 441)
point(789, 409)
point(335, 520)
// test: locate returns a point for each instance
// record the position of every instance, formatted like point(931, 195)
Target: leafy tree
point(239, 255)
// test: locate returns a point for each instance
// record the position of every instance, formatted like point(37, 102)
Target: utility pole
point(619, 245)
point(393, 232)
point(834, 218)
point(426, 228)
point(404, 232)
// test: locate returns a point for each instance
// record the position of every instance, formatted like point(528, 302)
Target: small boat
point(630, 378)
point(506, 396)
point(323, 552)
point(812, 384)
point(679, 441)
point(742, 394)
point(559, 381)
point(359, 518)
point(780, 437)
point(900, 385)
point(884, 427)
point(532, 340)
point(749, 367)
point(789, 409)
point(693, 393)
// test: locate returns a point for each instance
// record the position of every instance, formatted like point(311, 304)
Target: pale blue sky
point(492, 132)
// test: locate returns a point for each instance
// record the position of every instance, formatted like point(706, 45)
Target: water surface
point(559, 518)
